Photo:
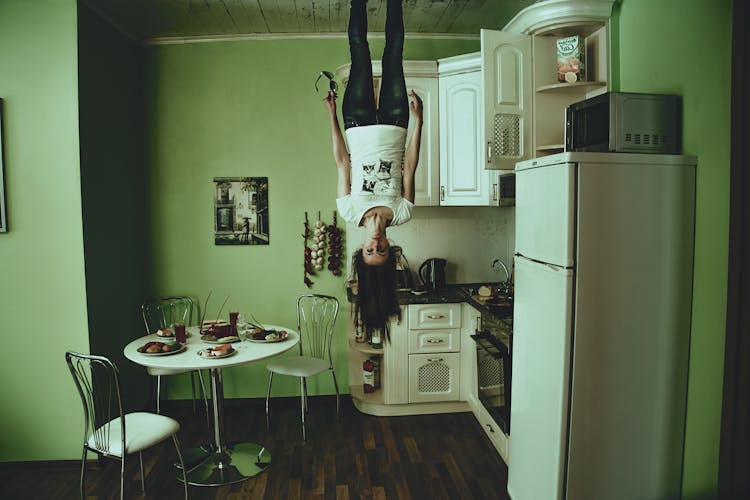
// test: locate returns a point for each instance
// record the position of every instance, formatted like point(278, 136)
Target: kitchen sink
point(498, 307)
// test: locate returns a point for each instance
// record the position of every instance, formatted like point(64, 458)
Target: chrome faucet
point(506, 286)
point(498, 261)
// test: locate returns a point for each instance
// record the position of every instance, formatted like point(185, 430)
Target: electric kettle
point(432, 273)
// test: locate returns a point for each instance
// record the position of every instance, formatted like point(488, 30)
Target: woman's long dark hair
point(376, 303)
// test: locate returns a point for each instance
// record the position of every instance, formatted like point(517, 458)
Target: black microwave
point(625, 122)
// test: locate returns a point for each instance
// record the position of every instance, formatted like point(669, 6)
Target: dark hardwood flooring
point(359, 456)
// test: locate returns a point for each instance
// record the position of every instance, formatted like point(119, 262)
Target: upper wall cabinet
point(463, 179)
point(420, 76)
point(544, 23)
point(507, 102)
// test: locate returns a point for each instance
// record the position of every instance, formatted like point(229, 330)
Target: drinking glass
point(233, 315)
point(179, 332)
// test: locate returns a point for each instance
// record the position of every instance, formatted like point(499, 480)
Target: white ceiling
point(153, 20)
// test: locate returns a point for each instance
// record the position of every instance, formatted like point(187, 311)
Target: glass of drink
point(179, 332)
point(233, 321)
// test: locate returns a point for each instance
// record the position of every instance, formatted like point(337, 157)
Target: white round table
point(224, 464)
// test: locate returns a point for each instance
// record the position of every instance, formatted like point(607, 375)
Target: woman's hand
point(415, 105)
point(330, 102)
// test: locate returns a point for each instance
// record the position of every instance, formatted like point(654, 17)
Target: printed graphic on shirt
point(380, 181)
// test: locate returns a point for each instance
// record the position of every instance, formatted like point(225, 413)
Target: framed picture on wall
point(3, 214)
point(241, 211)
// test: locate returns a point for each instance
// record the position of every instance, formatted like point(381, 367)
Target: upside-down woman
point(376, 172)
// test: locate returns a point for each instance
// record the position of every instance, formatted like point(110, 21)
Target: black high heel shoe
point(332, 85)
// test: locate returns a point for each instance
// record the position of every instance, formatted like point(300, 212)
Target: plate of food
point(262, 335)
point(167, 333)
point(161, 348)
point(220, 351)
point(213, 339)
point(210, 324)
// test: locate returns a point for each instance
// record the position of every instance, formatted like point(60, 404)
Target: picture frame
point(3, 211)
point(241, 211)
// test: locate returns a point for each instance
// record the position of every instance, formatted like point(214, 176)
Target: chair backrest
point(98, 384)
point(163, 312)
point(316, 317)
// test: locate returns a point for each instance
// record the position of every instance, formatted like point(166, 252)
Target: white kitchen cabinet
point(431, 341)
point(434, 377)
point(421, 366)
point(395, 366)
point(506, 98)
point(463, 179)
point(434, 316)
point(543, 23)
point(503, 104)
point(434, 354)
point(485, 117)
point(420, 76)
point(426, 179)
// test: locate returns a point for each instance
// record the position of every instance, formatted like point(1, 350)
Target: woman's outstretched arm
point(412, 152)
point(340, 152)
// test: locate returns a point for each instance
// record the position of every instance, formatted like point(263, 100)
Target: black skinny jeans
point(359, 98)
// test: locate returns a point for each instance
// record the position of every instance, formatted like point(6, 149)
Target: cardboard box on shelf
point(571, 59)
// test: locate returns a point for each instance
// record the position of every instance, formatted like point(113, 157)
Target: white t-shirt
point(377, 158)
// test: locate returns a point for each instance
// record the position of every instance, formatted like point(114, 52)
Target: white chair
point(108, 432)
point(164, 312)
point(316, 318)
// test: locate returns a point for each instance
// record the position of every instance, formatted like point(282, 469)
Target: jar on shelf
point(371, 374)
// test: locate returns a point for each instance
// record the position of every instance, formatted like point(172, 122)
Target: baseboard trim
point(234, 402)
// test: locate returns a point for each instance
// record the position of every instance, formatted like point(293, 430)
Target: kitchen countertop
point(449, 294)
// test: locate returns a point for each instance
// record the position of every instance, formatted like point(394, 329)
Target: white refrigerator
point(601, 330)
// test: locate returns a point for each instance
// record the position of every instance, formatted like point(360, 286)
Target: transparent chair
point(107, 431)
point(316, 318)
point(164, 312)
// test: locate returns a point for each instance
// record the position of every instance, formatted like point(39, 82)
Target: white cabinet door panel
point(431, 316)
point(507, 93)
point(426, 179)
point(434, 377)
point(463, 180)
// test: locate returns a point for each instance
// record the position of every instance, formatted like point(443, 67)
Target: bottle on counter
point(375, 341)
point(371, 375)
point(359, 333)
point(368, 376)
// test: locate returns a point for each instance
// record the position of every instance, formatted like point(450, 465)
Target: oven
point(493, 339)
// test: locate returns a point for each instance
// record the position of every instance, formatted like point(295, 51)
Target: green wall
point(684, 47)
point(42, 287)
point(247, 108)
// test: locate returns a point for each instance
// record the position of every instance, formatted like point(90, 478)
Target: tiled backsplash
point(469, 238)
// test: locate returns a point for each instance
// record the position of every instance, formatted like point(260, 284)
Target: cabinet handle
point(490, 428)
point(442, 193)
point(494, 192)
point(435, 360)
point(489, 152)
point(435, 341)
point(435, 316)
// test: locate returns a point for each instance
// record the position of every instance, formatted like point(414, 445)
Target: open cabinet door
point(506, 80)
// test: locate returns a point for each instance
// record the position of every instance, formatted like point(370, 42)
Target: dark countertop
point(451, 294)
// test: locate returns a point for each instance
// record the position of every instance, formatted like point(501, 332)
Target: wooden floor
point(359, 456)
